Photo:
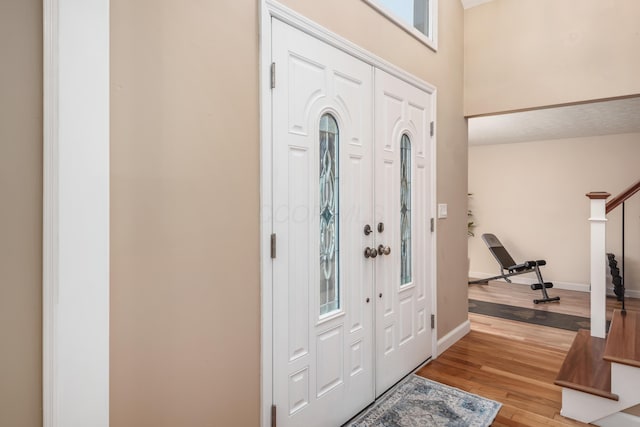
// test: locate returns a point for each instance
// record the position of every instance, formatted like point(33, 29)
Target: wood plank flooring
point(513, 362)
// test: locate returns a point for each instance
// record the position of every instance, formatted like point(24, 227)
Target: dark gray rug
point(419, 402)
point(529, 315)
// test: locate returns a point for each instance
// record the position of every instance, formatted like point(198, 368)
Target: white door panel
point(323, 362)
point(402, 309)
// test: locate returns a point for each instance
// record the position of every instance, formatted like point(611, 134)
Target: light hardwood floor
point(512, 362)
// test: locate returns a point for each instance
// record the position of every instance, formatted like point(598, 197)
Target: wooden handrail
point(620, 198)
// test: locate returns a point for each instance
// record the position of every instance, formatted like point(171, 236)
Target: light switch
point(442, 210)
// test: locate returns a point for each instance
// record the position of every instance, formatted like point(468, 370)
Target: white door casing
point(75, 240)
point(323, 364)
point(403, 311)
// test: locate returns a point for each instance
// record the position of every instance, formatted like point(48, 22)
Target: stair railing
point(598, 220)
point(620, 199)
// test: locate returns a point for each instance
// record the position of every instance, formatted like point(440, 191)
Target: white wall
point(532, 197)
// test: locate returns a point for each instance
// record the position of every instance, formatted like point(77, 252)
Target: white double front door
point(351, 211)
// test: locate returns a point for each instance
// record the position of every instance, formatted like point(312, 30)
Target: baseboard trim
point(519, 280)
point(629, 293)
point(454, 336)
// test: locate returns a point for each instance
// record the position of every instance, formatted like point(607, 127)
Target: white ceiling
point(591, 119)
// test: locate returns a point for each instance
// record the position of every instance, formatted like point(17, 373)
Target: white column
point(76, 214)
point(598, 222)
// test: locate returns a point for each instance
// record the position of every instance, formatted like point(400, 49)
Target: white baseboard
point(619, 419)
point(629, 293)
point(452, 337)
point(632, 293)
point(520, 280)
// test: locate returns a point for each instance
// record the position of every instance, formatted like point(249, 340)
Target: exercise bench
point(508, 268)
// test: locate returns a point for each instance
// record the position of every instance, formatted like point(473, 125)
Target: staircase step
point(623, 342)
point(584, 368)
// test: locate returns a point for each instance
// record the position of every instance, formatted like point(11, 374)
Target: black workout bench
point(509, 268)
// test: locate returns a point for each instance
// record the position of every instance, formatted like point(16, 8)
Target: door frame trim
point(271, 9)
point(75, 214)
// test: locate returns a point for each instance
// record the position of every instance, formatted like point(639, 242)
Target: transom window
point(417, 17)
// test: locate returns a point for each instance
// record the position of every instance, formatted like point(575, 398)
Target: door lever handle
point(384, 250)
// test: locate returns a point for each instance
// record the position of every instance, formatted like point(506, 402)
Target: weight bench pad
point(505, 260)
point(501, 255)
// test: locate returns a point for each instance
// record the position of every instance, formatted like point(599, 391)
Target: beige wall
point(21, 213)
point(443, 69)
point(532, 196)
point(185, 280)
point(531, 53)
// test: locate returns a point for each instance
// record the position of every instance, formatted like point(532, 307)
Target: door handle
point(384, 250)
point(370, 252)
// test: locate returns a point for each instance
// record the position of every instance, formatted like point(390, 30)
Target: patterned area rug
point(419, 402)
point(528, 315)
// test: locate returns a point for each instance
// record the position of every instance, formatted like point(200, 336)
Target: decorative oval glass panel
point(405, 210)
point(329, 265)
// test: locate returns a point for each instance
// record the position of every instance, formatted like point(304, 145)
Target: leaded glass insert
point(329, 278)
point(405, 210)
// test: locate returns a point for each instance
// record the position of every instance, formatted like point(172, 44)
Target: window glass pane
point(403, 9)
point(414, 13)
point(405, 210)
point(329, 279)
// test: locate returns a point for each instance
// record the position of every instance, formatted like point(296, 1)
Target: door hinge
point(274, 422)
point(432, 128)
point(433, 321)
point(273, 75)
point(433, 225)
point(273, 245)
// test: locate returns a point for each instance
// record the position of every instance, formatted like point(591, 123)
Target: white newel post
point(598, 220)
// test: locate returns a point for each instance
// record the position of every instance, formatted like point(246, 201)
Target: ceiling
point(581, 120)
